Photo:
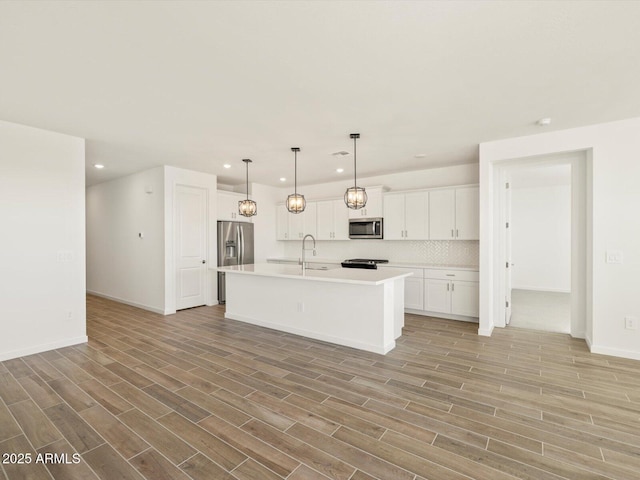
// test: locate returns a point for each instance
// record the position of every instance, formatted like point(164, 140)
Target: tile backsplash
point(435, 252)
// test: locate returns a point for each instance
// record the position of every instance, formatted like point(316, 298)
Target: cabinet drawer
point(452, 275)
point(417, 272)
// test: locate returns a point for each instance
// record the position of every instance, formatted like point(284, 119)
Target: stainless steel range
point(363, 263)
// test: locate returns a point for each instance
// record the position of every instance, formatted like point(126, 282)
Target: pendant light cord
point(355, 185)
point(247, 180)
point(295, 174)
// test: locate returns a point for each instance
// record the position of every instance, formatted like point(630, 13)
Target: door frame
point(188, 178)
point(581, 187)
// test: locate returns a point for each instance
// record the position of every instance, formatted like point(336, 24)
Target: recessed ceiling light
point(339, 170)
point(420, 155)
point(98, 165)
point(226, 165)
point(543, 122)
point(283, 179)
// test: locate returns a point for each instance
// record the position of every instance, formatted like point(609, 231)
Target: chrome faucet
point(304, 263)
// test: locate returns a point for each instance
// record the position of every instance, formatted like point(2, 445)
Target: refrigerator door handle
point(240, 245)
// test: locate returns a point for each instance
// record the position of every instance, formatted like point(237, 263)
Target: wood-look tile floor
point(193, 395)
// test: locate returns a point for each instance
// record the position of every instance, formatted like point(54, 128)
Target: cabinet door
point(226, 202)
point(340, 220)
point(296, 225)
point(437, 295)
point(468, 213)
point(416, 216)
point(414, 293)
point(465, 298)
point(309, 219)
point(373, 208)
point(282, 225)
point(442, 214)
point(324, 220)
point(393, 221)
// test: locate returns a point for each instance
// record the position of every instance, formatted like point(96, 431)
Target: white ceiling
point(200, 84)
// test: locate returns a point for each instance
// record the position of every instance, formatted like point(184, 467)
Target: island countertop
point(335, 275)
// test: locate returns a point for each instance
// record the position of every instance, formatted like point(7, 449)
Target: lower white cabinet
point(414, 293)
point(455, 292)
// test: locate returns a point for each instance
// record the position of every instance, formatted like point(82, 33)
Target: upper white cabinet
point(294, 226)
point(454, 214)
point(332, 220)
point(406, 216)
point(228, 206)
point(373, 208)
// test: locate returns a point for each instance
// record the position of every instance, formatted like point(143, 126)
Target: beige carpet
point(548, 311)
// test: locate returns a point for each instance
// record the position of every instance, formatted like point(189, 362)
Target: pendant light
point(355, 197)
point(296, 202)
point(247, 208)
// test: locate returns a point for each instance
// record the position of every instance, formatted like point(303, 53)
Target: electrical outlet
point(614, 256)
point(630, 323)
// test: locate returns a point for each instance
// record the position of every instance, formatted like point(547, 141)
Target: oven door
point(365, 228)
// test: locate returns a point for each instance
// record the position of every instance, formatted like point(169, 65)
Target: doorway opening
point(533, 264)
point(538, 246)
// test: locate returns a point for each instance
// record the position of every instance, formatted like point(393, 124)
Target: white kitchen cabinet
point(228, 206)
point(294, 226)
point(414, 293)
point(373, 208)
point(406, 216)
point(468, 213)
point(282, 222)
point(332, 220)
point(454, 214)
point(413, 287)
point(453, 292)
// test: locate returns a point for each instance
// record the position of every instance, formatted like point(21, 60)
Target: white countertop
point(336, 275)
point(391, 264)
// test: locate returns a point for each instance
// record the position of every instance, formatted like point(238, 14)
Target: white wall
point(541, 238)
point(42, 245)
point(121, 265)
point(613, 204)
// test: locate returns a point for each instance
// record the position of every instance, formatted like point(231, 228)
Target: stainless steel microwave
point(365, 228)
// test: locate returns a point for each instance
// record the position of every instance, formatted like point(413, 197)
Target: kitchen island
point(357, 308)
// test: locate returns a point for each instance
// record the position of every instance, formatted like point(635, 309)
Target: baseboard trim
point(161, 311)
point(45, 347)
point(446, 316)
point(614, 352)
point(486, 332)
point(317, 336)
point(542, 289)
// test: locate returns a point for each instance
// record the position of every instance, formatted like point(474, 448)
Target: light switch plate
point(614, 256)
point(630, 323)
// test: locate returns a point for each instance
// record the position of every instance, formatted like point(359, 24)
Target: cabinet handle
point(447, 286)
point(406, 234)
point(452, 236)
point(456, 233)
point(453, 285)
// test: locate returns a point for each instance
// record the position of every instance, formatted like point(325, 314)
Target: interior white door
point(190, 246)
point(507, 244)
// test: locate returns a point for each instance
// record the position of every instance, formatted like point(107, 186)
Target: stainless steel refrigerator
point(235, 247)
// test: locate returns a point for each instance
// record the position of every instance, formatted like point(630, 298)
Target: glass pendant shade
point(355, 197)
point(296, 202)
point(246, 207)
